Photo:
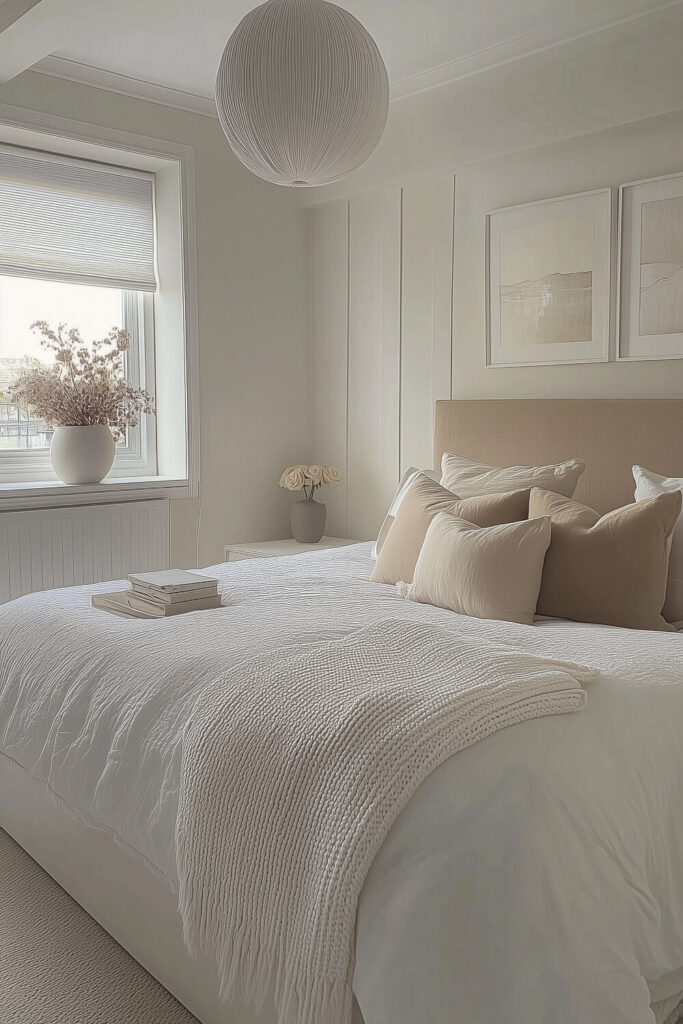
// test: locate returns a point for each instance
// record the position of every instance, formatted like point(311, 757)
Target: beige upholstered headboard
point(610, 435)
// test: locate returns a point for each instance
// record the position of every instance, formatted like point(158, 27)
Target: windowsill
point(53, 493)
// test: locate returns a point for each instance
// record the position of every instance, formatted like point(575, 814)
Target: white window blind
point(69, 220)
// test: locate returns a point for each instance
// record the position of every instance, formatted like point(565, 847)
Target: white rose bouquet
point(309, 478)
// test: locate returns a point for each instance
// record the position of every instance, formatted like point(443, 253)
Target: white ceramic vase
point(82, 455)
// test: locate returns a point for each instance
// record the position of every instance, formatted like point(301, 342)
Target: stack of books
point(155, 595)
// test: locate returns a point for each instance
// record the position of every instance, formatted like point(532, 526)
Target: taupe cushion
point(396, 561)
point(467, 477)
point(612, 569)
point(489, 572)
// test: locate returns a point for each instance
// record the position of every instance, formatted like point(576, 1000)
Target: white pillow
point(469, 479)
point(490, 572)
point(401, 491)
point(649, 485)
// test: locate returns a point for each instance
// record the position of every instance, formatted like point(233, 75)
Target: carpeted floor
point(57, 966)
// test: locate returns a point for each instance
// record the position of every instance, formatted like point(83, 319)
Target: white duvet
point(535, 878)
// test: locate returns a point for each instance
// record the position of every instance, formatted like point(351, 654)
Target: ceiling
point(177, 46)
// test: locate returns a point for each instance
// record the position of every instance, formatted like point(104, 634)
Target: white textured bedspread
point(294, 769)
point(534, 878)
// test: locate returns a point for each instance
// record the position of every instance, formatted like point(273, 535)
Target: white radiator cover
point(65, 547)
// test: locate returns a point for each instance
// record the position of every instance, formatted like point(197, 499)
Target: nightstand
point(277, 548)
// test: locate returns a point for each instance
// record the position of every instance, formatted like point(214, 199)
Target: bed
point(521, 883)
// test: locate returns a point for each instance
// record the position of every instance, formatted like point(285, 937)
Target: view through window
point(94, 311)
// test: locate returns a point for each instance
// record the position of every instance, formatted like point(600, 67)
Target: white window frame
point(139, 455)
point(174, 307)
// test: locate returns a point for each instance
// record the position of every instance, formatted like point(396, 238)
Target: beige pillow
point(424, 498)
point(611, 569)
point(649, 485)
point(467, 477)
point(490, 573)
point(406, 480)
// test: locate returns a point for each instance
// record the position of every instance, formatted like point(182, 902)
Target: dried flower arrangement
point(309, 478)
point(86, 384)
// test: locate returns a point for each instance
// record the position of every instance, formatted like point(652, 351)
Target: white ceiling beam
point(31, 29)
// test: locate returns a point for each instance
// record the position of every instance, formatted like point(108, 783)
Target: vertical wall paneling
point(382, 340)
point(426, 313)
point(374, 357)
point(330, 287)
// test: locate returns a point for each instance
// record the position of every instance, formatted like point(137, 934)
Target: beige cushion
point(649, 485)
point(406, 480)
point(490, 573)
point(467, 477)
point(424, 498)
point(611, 569)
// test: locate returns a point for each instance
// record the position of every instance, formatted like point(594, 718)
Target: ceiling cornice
point(607, 17)
point(137, 88)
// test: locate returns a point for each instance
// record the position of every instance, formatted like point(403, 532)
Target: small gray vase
point(308, 520)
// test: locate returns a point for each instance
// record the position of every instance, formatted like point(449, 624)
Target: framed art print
point(651, 269)
point(548, 281)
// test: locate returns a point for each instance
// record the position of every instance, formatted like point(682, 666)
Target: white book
point(126, 604)
point(117, 604)
point(172, 580)
point(159, 610)
point(173, 596)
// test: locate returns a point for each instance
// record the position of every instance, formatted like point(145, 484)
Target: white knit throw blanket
point(294, 768)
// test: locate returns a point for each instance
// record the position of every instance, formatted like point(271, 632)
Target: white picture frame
point(548, 278)
point(650, 299)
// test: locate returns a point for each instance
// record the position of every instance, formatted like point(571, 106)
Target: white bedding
point(294, 769)
point(536, 877)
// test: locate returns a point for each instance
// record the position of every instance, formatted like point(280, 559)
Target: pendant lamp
point(302, 92)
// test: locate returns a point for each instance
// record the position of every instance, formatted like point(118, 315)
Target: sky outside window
point(94, 311)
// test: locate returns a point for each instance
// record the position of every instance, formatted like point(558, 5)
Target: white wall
point(382, 324)
point(253, 307)
point(621, 75)
point(629, 153)
point(591, 113)
point(514, 134)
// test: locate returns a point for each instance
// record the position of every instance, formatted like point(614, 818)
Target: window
point(95, 311)
point(77, 246)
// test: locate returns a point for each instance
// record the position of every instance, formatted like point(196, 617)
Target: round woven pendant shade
point(302, 92)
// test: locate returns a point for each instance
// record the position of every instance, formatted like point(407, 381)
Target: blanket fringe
point(256, 974)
